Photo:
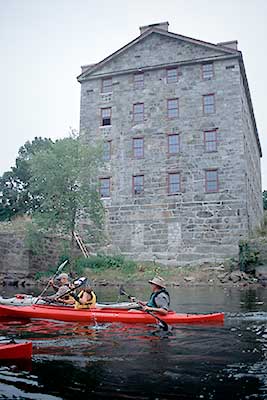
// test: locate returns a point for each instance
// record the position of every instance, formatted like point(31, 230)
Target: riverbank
point(206, 275)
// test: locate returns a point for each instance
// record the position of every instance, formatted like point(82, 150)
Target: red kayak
point(14, 351)
point(104, 315)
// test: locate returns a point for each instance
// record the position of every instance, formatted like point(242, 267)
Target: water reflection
point(119, 361)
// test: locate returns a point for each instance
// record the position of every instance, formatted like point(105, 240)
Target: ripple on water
point(19, 384)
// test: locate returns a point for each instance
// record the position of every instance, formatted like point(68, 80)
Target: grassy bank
point(116, 269)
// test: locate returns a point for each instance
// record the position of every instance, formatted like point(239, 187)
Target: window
point(172, 107)
point(173, 183)
point(107, 151)
point(104, 187)
point(207, 71)
point(211, 180)
point(210, 140)
point(138, 184)
point(139, 81)
point(107, 85)
point(138, 147)
point(209, 104)
point(172, 75)
point(106, 116)
point(173, 144)
point(138, 112)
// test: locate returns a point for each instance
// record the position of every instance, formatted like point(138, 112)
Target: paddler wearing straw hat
point(61, 288)
point(160, 299)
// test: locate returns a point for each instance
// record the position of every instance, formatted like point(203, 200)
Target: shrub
point(262, 230)
point(246, 256)
point(102, 262)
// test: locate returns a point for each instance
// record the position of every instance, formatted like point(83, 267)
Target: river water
point(118, 361)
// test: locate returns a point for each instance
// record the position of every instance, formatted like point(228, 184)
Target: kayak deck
point(62, 313)
point(28, 300)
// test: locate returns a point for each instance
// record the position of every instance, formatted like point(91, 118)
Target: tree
point(15, 197)
point(9, 196)
point(64, 176)
point(264, 195)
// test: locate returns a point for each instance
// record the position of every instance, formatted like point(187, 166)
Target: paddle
point(59, 269)
point(162, 324)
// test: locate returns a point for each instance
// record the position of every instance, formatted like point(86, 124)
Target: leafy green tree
point(9, 196)
point(264, 195)
point(64, 176)
point(15, 197)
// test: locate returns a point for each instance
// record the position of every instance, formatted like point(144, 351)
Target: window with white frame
point(139, 80)
point(172, 75)
point(174, 184)
point(209, 103)
point(104, 187)
point(106, 85)
point(207, 71)
point(106, 116)
point(172, 108)
point(138, 112)
point(173, 143)
point(138, 184)
point(138, 147)
point(210, 140)
point(107, 150)
point(211, 180)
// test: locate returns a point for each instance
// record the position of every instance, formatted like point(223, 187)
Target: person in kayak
point(86, 298)
point(63, 287)
point(159, 300)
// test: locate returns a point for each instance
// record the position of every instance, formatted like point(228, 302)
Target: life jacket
point(152, 302)
point(90, 303)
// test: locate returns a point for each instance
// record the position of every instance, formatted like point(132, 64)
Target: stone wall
point(17, 260)
point(14, 256)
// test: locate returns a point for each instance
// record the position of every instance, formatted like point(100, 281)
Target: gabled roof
point(218, 47)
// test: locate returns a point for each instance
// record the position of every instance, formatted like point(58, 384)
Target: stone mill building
point(181, 176)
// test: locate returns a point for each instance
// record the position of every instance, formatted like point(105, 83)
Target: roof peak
point(160, 25)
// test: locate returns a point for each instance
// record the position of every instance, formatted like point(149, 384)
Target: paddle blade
point(164, 326)
point(60, 268)
point(122, 291)
point(81, 281)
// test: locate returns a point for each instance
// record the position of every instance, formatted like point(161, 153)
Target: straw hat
point(157, 280)
point(63, 275)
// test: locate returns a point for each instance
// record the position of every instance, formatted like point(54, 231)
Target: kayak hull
point(104, 315)
point(15, 351)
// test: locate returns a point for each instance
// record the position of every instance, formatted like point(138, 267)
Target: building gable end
point(154, 48)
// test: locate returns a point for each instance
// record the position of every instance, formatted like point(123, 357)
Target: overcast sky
point(43, 43)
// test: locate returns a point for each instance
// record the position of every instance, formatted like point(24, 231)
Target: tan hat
point(158, 281)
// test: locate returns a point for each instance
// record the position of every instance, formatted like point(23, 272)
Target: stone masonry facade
point(181, 178)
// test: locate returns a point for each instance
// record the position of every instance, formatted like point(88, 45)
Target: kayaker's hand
point(142, 303)
point(72, 286)
point(147, 308)
point(133, 299)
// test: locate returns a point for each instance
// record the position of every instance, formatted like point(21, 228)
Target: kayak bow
point(14, 351)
